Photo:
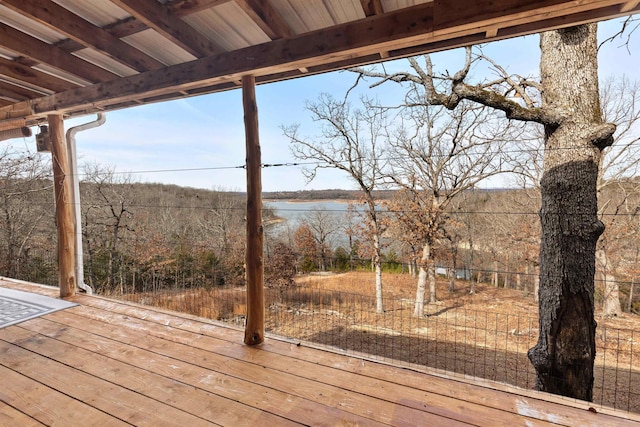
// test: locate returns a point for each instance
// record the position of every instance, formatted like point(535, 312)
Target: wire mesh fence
point(37, 266)
point(449, 338)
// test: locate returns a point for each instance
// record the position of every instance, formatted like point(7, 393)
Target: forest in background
point(141, 237)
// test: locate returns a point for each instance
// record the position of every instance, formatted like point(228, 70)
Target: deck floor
point(105, 363)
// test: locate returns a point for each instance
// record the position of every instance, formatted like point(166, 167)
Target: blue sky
point(158, 142)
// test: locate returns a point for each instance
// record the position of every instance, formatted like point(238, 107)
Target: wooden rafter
point(18, 93)
point(161, 19)
point(427, 27)
point(83, 32)
point(266, 17)
point(629, 6)
point(125, 27)
point(33, 77)
point(187, 7)
point(371, 7)
point(39, 51)
point(378, 33)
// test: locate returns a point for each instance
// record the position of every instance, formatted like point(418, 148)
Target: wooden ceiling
point(83, 56)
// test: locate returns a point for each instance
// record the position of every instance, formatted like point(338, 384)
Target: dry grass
point(485, 335)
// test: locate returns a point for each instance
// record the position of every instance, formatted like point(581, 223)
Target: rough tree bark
point(566, 348)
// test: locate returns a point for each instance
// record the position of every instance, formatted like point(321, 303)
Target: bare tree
point(350, 225)
point(222, 220)
point(324, 225)
point(107, 215)
point(437, 154)
point(620, 98)
point(566, 103)
point(471, 226)
point(24, 184)
point(351, 141)
point(306, 246)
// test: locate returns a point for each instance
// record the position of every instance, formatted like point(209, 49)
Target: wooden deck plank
point(21, 285)
point(166, 389)
point(11, 416)
point(46, 405)
point(176, 363)
point(111, 398)
point(227, 375)
point(397, 403)
point(305, 412)
point(559, 410)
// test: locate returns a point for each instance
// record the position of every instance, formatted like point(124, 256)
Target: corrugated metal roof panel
point(303, 16)
point(343, 11)
point(7, 54)
point(227, 25)
point(104, 61)
point(98, 12)
point(26, 85)
point(28, 26)
point(61, 74)
point(310, 15)
point(158, 47)
point(390, 5)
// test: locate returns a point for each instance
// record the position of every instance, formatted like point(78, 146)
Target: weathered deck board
point(162, 387)
point(539, 406)
point(199, 369)
point(293, 375)
point(111, 398)
point(11, 416)
point(46, 405)
point(113, 363)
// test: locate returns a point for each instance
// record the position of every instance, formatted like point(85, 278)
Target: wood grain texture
point(64, 208)
point(254, 254)
point(83, 32)
point(160, 18)
point(410, 30)
point(39, 51)
point(106, 362)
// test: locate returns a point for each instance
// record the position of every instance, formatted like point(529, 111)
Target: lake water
point(293, 212)
point(294, 209)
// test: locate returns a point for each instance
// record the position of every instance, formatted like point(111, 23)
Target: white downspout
point(73, 160)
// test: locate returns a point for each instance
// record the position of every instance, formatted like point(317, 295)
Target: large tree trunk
point(472, 278)
point(426, 275)
point(564, 354)
point(431, 275)
point(377, 264)
point(453, 271)
point(421, 288)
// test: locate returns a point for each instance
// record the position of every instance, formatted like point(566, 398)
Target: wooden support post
point(64, 208)
point(254, 329)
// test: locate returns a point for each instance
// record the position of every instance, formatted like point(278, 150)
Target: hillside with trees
point(140, 237)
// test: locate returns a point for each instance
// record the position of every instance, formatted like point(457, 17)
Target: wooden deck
point(105, 363)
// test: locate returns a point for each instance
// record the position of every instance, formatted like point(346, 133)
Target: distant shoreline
point(293, 201)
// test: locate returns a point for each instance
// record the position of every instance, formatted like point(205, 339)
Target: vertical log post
point(254, 329)
point(64, 208)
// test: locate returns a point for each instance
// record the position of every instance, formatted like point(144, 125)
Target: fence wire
point(449, 338)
